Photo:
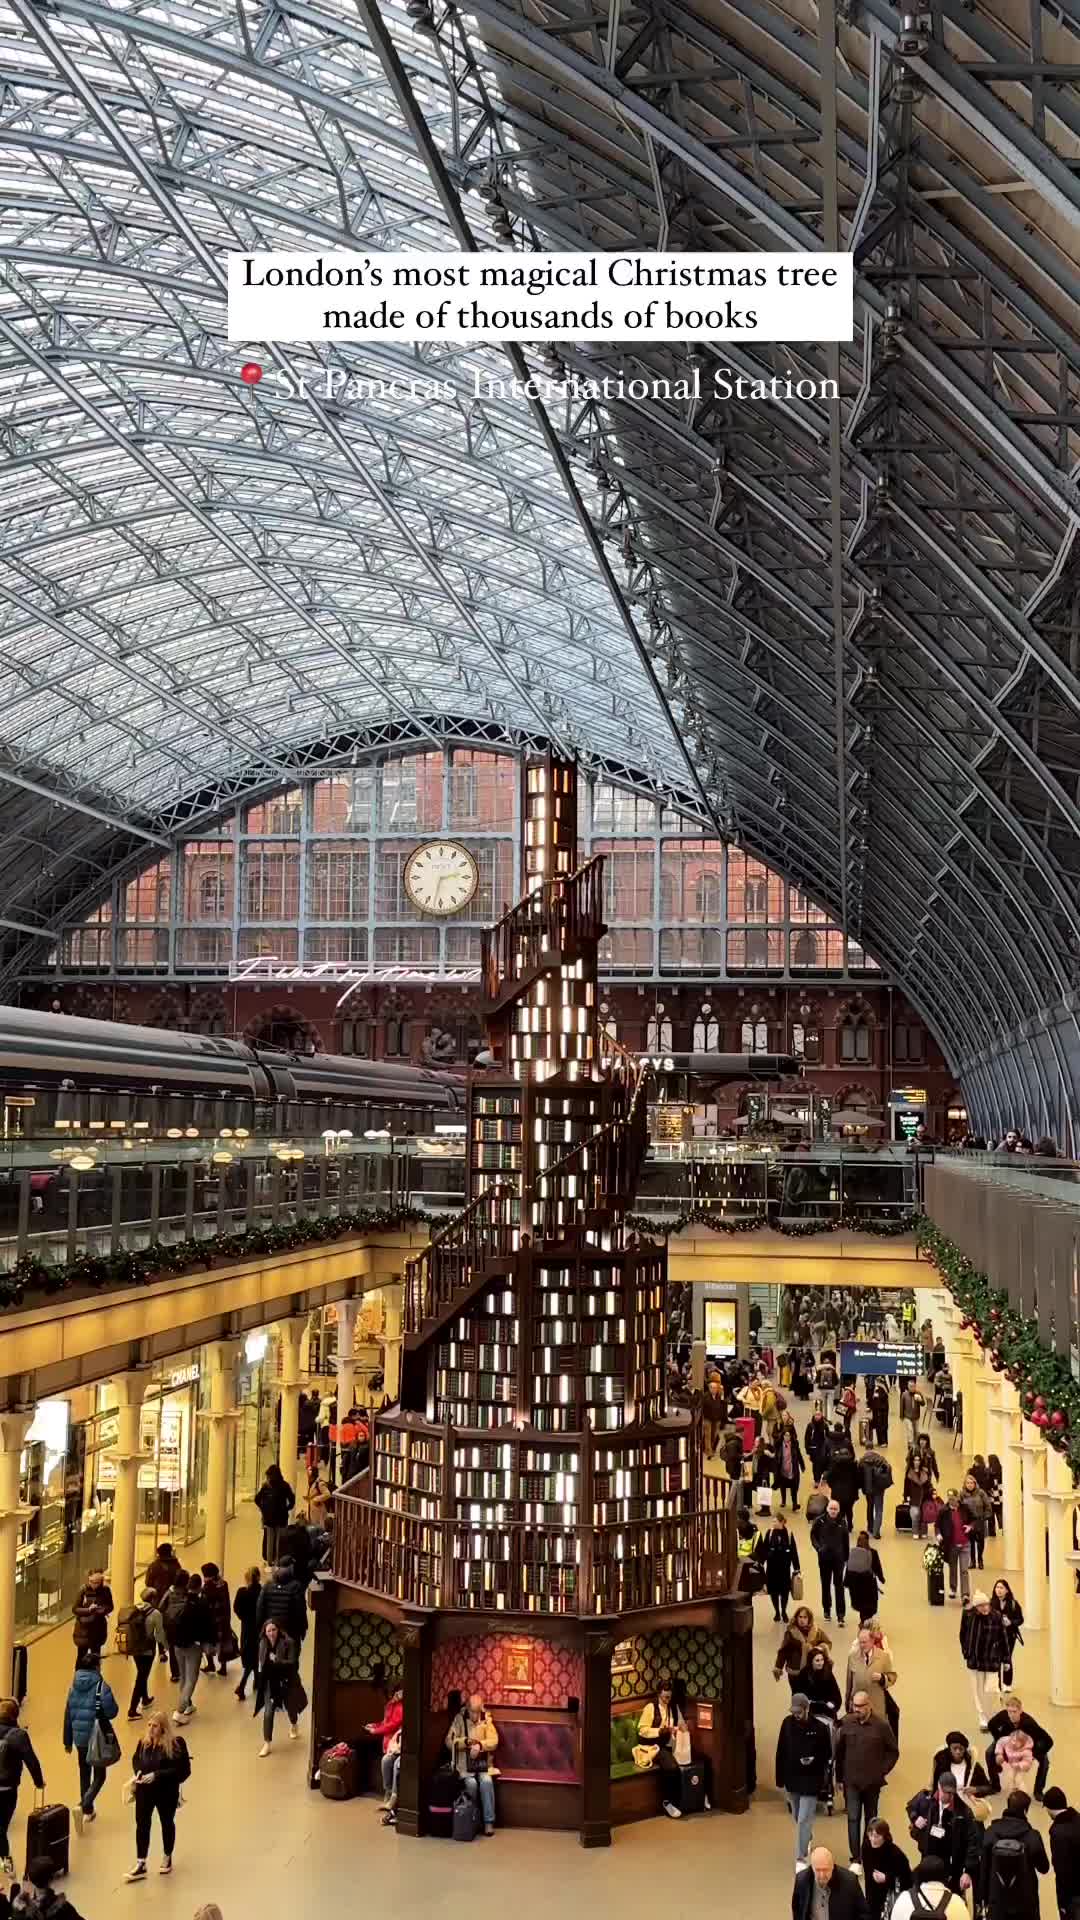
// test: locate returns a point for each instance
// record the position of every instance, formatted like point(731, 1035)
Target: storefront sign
point(180, 1376)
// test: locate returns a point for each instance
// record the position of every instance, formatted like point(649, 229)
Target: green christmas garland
point(754, 1223)
point(158, 1261)
point(1049, 1396)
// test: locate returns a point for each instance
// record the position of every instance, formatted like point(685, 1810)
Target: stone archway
point(282, 1029)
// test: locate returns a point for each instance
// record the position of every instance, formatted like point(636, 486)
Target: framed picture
point(517, 1666)
point(703, 1716)
point(622, 1659)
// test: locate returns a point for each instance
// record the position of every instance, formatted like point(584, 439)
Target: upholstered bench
point(635, 1791)
point(536, 1751)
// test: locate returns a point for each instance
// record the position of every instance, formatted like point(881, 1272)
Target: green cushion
point(624, 1738)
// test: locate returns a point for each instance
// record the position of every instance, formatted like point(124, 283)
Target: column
point(129, 1389)
point(415, 1633)
point(1004, 1438)
point(393, 1306)
point(346, 1311)
point(1057, 1502)
point(986, 1399)
point(14, 1428)
point(289, 1334)
point(1031, 1454)
point(968, 1358)
point(220, 1417)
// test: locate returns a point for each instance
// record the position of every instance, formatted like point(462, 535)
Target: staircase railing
point(594, 1174)
point(485, 1231)
point(549, 922)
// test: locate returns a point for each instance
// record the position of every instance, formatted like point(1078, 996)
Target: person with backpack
point(1013, 1856)
point(930, 1896)
point(16, 1752)
point(803, 1762)
point(911, 1411)
point(172, 1606)
point(842, 1474)
point(37, 1898)
point(160, 1765)
point(216, 1595)
point(886, 1868)
point(192, 1630)
point(942, 1825)
point(90, 1699)
point(245, 1607)
point(1064, 1852)
point(827, 1383)
point(877, 1402)
point(877, 1477)
point(790, 1465)
point(275, 1501)
point(139, 1630)
point(281, 1598)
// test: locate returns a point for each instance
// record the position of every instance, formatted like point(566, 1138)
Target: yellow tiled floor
point(256, 1840)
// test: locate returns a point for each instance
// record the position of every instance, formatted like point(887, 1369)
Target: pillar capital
point(130, 1387)
point(1058, 1496)
point(14, 1427)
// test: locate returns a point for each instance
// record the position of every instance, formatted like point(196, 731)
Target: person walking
point(942, 1825)
point(1004, 1601)
point(930, 1893)
point(1012, 1714)
point(36, 1898)
point(871, 1671)
point(886, 1868)
point(144, 1631)
point(919, 1492)
point(863, 1577)
point(278, 1683)
point(842, 1475)
point(281, 1598)
point(16, 1752)
point(797, 1645)
point(172, 1606)
point(192, 1630)
point(876, 1477)
point(160, 1765)
point(216, 1596)
point(816, 1441)
point(245, 1607)
point(831, 1541)
point(1013, 1856)
point(978, 1510)
point(803, 1759)
point(790, 1465)
point(911, 1411)
point(821, 1687)
point(90, 1699)
point(713, 1414)
point(984, 1643)
point(93, 1605)
point(957, 1758)
point(162, 1571)
point(954, 1532)
point(1064, 1852)
point(778, 1555)
point(275, 1501)
point(866, 1753)
point(825, 1891)
point(878, 1408)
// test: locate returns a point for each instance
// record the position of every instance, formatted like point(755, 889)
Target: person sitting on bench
point(472, 1740)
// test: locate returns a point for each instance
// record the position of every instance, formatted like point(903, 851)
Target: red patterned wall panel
point(476, 1666)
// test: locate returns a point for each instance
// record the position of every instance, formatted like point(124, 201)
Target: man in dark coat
point(93, 1605)
point(1012, 1715)
point(1064, 1851)
point(1008, 1888)
point(830, 1538)
point(845, 1899)
point(803, 1756)
point(842, 1473)
point(282, 1599)
point(943, 1826)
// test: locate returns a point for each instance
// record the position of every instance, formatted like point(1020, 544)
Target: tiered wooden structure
point(531, 1476)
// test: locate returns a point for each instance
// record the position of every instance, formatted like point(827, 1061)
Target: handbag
point(103, 1747)
point(796, 1586)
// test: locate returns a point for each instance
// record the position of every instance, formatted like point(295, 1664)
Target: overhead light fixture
point(191, 1133)
point(222, 1158)
point(242, 1133)
point(174, 1133)
point(82, 1162)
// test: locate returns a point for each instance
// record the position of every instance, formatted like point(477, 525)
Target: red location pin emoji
point(251, 373)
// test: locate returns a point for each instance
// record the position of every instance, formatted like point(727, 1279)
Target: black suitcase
point(935, 1586)
point(466, 1817)
point(693, 1787)
point(18, 1672)
point(903, 1518)
point(48, 1832)
point(444, 1790)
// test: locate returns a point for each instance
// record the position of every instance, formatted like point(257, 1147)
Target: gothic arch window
point(709, 896)
point(211, 896)
point(804, 951)
point(755, 1036)
point(756, 896)
point(855, 1042)
point(659, 1037)
point(706, 1031)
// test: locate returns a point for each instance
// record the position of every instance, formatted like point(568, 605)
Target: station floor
point(253, 1838)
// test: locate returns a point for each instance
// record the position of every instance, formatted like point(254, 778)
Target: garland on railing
point(1049, 1396)
point(141, 1266)
point(754, 1223)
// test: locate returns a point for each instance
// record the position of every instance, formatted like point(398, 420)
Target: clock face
point(441, 877)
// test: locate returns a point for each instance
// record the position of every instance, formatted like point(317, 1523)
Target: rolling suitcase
point(444, 1790)
point(744, 1427)
point(48, 1831)
point(693, 1787)
point(903, 1518)
point(19, 1673)
point(337, 1776)
point(866, 1432)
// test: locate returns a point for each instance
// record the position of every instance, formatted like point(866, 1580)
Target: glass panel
point(803, 912)
point(147, 897)
point(823, 948)
point(348, 944)
point(688, 869)
point(271, 943)
point(345, 802)
point(688, 947)
point(89, 946)
point(617, 811)
point(282, 814)
point(495, 867)
point(463, 946)
point(337, 882)
point(391, 901)
point(412, 794)
point(755, 893)
point(628, 949)
point(859, 961)
point(628, 880)
point(198, 947)
point(207, 868)
point(142, 947)
point(483, 790)
point(755, 951)
point(271, 882)
point(412, 947)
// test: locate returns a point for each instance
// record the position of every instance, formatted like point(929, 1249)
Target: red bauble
point(1059, 1419)
point(1029, 1399)
point(1039, 1419)
point(1040, 1402)
point(251, 373)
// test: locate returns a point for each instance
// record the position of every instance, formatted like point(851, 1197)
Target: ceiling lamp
point(222, 1157)
point(242, 1133)
point(191, 1133)
point(174, 1133)
point(226, 1133)
point(82, 1162)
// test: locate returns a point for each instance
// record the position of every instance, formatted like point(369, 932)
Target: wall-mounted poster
point(720, 1327)
point(517, 1666)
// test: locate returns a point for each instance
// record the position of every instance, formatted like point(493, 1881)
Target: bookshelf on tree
point(531, 1480)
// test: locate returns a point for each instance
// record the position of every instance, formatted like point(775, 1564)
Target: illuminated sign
point(908, 1097)
point(890, 1357)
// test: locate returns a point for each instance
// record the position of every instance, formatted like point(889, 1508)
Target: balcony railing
point(461, 1567)
point(487, 1230)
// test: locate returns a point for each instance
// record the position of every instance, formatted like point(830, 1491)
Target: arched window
point(706, 1031)
point(396, 1039)
point(755, 1036)
point(855, 1039)
point(804, 951)
point(659, 1036)
point(708, 896)
point(756, 897)
point(798, 1040)
point(211, 896)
